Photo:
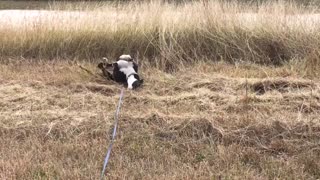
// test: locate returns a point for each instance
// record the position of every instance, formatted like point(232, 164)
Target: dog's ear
point(141, 81)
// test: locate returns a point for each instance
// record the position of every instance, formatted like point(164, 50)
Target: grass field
point(230, 93)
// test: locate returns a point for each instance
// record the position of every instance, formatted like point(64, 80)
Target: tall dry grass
point(165, 35)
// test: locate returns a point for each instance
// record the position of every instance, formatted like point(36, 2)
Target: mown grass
point(56, 122)
point(166, 35)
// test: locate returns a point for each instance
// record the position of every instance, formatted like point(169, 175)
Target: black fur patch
point(137, 83)
point(136, 76)
point(118, 75)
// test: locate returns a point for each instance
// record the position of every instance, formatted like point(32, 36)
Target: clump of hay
point(198, 129)
point(276, 138)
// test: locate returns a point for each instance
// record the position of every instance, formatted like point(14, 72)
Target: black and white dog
point(124, 71)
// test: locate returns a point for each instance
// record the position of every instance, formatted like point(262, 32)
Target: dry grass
point(56, 121)
point(205, 119)
point(165, 35)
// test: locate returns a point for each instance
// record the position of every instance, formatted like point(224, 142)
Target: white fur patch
point(125, 57)
point(131, 80)
point(126, 67)
point(122, 64)
point(127, 71)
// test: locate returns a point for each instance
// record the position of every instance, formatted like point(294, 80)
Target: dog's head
point(137, 84)
point(106, 69)
point(105, 65)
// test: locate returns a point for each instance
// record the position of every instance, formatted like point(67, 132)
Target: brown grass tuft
point(280, 85)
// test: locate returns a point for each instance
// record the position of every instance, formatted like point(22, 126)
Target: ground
point(207, 121)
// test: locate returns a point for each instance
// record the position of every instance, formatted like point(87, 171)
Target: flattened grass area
point(211, 122)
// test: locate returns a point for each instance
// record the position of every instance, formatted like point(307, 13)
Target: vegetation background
point(231, 89)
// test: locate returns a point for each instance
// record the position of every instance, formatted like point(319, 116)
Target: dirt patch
point(280, 85)
point(95, 88)
point(216, 85)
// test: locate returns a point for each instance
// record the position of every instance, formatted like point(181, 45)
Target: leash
point(113, 134)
